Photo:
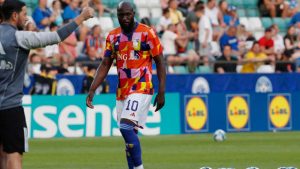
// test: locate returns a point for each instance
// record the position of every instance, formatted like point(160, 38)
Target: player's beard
point(127, 28)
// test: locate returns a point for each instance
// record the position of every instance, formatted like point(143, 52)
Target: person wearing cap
point(231, 18)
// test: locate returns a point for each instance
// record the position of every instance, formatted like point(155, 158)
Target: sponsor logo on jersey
point(200, 86)
point(263, 85)
point(279, 111)
point(238, 112)
point(196, 113)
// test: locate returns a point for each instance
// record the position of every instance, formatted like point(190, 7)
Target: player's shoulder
point(115, 31)
point(144, 27)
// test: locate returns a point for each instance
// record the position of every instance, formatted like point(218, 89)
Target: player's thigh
point(14, 131)
point(135, 105)
point(119, 109)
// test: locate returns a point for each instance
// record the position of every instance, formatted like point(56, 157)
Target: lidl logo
point(279, 111)
point(196, 114)
point(238, 112)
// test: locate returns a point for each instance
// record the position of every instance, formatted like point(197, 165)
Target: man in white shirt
point(170, 40)
point(205, 32)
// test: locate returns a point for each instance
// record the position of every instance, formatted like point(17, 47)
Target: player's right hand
point(87, 13)
point(89, 99)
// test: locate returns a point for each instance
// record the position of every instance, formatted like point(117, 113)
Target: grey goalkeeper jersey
point(14, 49)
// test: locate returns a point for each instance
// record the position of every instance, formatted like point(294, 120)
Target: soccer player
point(133, 45)
point(14, 49)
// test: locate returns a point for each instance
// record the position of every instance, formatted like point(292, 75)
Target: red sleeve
point(156, 47)
point(108, 47)
point(261, 42)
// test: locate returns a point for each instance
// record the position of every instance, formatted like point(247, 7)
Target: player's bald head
point(124, 5)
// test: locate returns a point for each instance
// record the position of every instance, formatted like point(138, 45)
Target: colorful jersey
point(133, 54)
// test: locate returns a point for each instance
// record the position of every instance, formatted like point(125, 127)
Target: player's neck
point(130, 29)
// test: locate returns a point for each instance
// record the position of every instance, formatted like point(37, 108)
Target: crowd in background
point(207, 37)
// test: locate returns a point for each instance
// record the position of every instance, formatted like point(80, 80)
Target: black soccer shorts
point(13, 130)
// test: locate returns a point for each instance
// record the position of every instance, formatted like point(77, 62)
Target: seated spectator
point(223, 9)
point(67, 48)
point(191, 21)
point(34, 65)
point(95, 41)
point(205, 33)
point(71, 11)
point(56, 10)
point(245, 39)
point(230, 38)
point(164, 21)
point(43, 16)
point(169, 40)
point(175, 15)
point(254, 59)
point(292, 50)
point(231, 18)
point(212, 11)
point(226, 63)
point(278, 40)
point(52, 50)
point(295, 19)
point(284, 64)
point(266, 43)
point(293, 8)
point(273, 8)
point(88, 79)
point(45, 82)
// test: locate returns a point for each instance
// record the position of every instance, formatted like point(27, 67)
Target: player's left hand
point(159, 101)
point(89, 100)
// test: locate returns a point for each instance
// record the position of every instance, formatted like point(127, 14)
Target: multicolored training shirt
point(133, 53)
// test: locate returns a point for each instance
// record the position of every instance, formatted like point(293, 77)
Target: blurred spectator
point(175, 15)
point(191, 20)
point(212, 11)
point(43, 16)
point(254, 59)
point(227, 62)
point(205, 32)
point(245, 39)
point(45, 82)
point(56, 9)
point(278, 40)
point(223, 9)
point(293, 7)
point(30, 26)
point(34, 65)
point(52, 50)
point(230, 38)
point(231, 18)
point(295, 19)
point(164, 3)
point(164, 21)
point(292, 49)
point(67, 48)
point(88, 79)
point(273, 8)
point(64, 3)
point(169, 40)
point(71, 11)
point(95, 41)
point(266, 43)
point(1, 2)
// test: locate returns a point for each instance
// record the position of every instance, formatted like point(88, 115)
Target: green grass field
point(240, 150)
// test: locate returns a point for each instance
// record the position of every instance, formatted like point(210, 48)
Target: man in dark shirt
point(226, 63)
point(15, 46)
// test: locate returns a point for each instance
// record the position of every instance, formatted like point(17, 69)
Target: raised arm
point(31, 40)
point(161, 73)
point(99, 78)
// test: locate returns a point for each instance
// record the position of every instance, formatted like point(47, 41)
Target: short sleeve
point(108, 47)
point(156, 47)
